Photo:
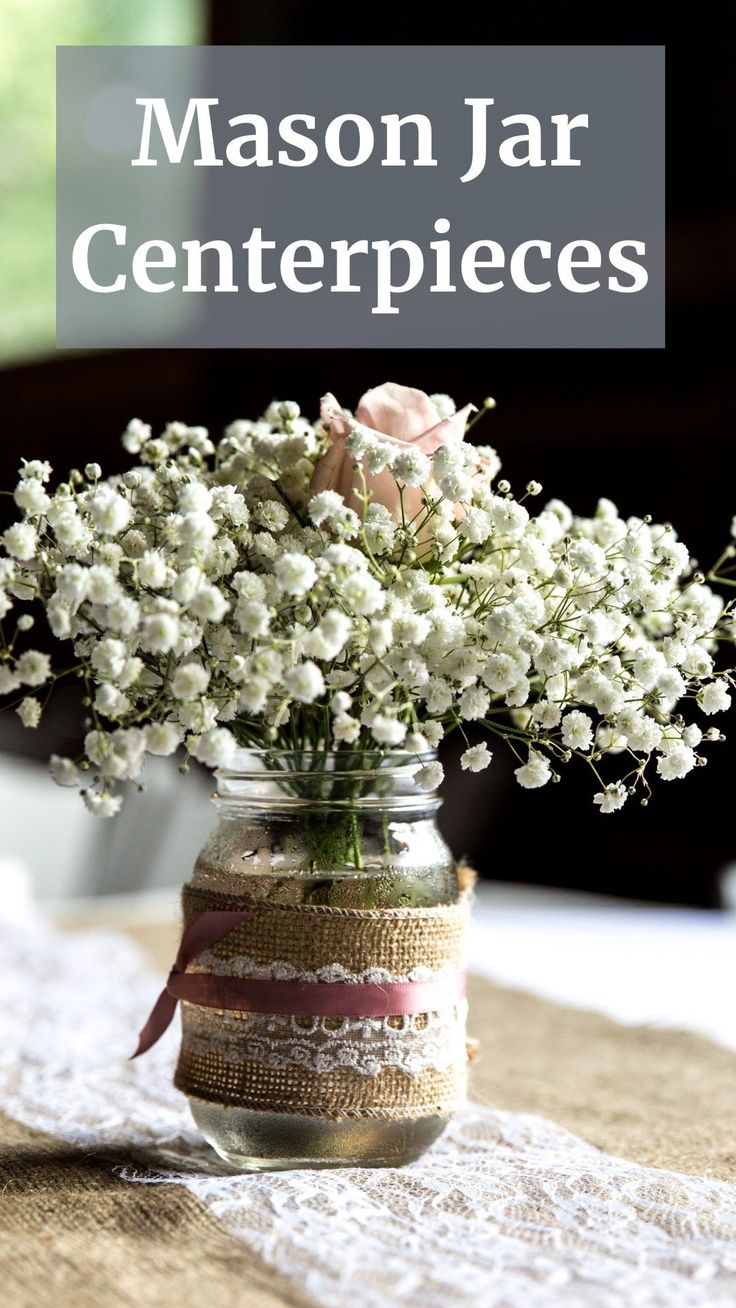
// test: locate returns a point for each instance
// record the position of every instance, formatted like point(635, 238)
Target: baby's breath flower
point(189, 680)
point(102, 804)
point(63, 770)
point(387, 730)
point(216, 748)
point(430, 776)
point(21, 541)
point(612, 798)
point(535, 773)
point(295, 573)
point(714, 698)
point(676, 763)
point(29, 711)
point(305, 682)
point(33, 668)
point(215, 583)
point(476, 758)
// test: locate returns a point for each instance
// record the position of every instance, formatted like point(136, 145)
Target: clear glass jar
point(342, 831)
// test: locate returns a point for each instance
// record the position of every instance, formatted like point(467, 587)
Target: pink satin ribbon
point(290, 998)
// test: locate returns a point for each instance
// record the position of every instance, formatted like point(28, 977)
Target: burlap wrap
point(309, 938)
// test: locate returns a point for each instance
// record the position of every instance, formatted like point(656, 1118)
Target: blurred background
point(652, 430)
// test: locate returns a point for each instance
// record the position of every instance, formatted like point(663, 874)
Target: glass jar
point(339, 859)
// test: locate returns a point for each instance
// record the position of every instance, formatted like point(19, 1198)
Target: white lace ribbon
point(506, 1211)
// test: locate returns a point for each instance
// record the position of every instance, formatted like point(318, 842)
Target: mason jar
point(349, 910)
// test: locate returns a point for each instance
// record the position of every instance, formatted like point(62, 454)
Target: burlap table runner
point(74, 1233)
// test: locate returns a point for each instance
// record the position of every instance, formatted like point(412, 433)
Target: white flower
point(535, 773)
point(59, 618)
point(328, 638)
point(345, 729)
point(111, 512)
point(379, 635)
point(127, 754)
point(587, 557)
point(295, 573)
point(676, 763)
point(21, 540)
point(380, 529)
point(130, 673)
point(577, 730)
point(612, 798)
point(387, 730)
point(108, 657)
point(254, 694)
point(546, 715)
point(325, 506)
point(209, 604)
point(430, 776)
point(152, 569)
point(433, 733)
point(71, 584)
point(412, 467)
point(63, 770)
point(196, 531)
point(195, 498)
point(476, 526)
point(671, 684)
point(97, 746)
point(305, 682)
point(216, 748)
point(714, 698)
point(136, 435)
point(476, 758)
point(35, 468)
point(29, 711)
point(188, 583)
point(340, 702)
point(272, 515)
point(437, 695)
point(33, 668)
point(416, 743)
point(502, 671)
point(110, 701)
point(101, 584)
point(474, 703)
point(189, 681)
point(362, 593)
point(102, 804)
point(643, 733)
point(31, 497)
point(123, 615)
point(252, 618)
point(159, 632)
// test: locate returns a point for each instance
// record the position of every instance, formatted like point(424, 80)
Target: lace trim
point(412, 1044)
point(244, 965)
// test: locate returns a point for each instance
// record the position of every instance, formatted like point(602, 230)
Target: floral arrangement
point(361, 584)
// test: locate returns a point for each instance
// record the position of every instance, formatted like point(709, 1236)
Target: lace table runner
point(507, 1210)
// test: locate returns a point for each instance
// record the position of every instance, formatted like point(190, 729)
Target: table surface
point(548, 1189)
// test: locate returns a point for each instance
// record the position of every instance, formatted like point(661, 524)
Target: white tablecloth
point(506, 1211)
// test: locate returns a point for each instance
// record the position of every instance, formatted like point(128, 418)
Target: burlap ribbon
point(220, 993)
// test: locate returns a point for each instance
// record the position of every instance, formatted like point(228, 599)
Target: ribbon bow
point(200, 935)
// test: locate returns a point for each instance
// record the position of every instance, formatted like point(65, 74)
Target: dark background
point(653, 430)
